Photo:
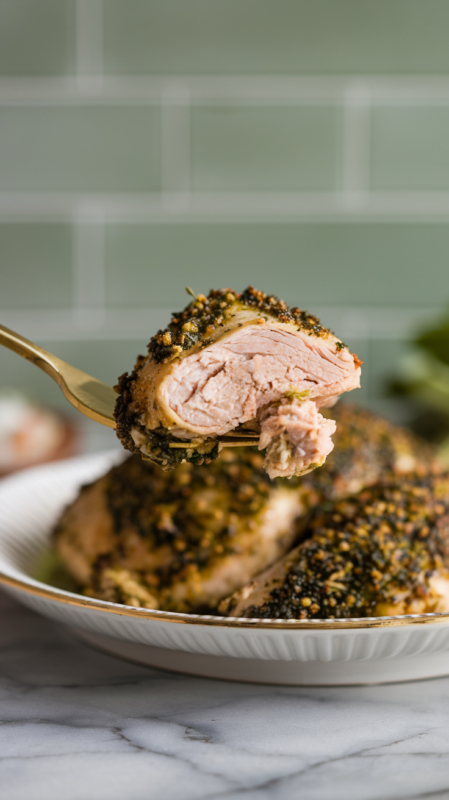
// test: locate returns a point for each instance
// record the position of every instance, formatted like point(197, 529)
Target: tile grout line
point(355, 154)
point(182, 207)
point(90, 81)
point(88, 246)
point(89, 46)
point(175, 161)
point(89, 268)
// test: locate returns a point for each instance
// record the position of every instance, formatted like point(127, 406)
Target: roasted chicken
point(178, 541)
point(230, 362)
point(184, 540)
point(382, 552)
point(367, 448)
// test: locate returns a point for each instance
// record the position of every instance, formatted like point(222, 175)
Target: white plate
point(275, 651)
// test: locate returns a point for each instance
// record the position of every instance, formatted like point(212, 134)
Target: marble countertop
point(79, 725)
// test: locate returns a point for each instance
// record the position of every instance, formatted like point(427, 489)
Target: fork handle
point(32, 352)
point(92, 397)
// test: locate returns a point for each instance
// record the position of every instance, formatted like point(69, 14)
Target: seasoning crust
point(196, 324)
point(176, 541)
point(369, 555)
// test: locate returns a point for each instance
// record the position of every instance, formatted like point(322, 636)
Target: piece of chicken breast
point(179, 541)
point(382, 552)
point(231, 360)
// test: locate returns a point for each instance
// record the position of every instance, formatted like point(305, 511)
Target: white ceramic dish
point(273, 651)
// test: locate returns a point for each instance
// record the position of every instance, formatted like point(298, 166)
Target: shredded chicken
point(295, 433)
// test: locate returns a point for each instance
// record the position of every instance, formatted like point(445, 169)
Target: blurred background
point(298, 145)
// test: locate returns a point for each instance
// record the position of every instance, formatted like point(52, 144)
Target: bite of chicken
point(229, 362)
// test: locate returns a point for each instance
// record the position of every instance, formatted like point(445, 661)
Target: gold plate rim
point(90, 604)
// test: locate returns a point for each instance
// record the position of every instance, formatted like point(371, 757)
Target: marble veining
point(77, 724)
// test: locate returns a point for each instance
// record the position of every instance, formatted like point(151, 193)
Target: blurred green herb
point(436, 342)
point(424, 381)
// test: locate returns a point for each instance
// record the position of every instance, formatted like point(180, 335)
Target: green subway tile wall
point(79, 148)
point(264, 148)
point(351, 264)
point(384, 357)
point(410, 147)
point(37, 37)
point(36, 266)
point(275, 36)
point(299, 145)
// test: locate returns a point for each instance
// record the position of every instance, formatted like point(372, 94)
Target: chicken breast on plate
point(382, 552)
point(181, 540)
point(367, 448)
point(231, 361)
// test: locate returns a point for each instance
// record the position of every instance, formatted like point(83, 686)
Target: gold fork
point(92, 397)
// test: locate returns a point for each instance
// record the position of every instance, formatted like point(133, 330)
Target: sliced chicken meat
point(230, 362)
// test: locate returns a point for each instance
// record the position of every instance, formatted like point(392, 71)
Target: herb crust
point(366, 554)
